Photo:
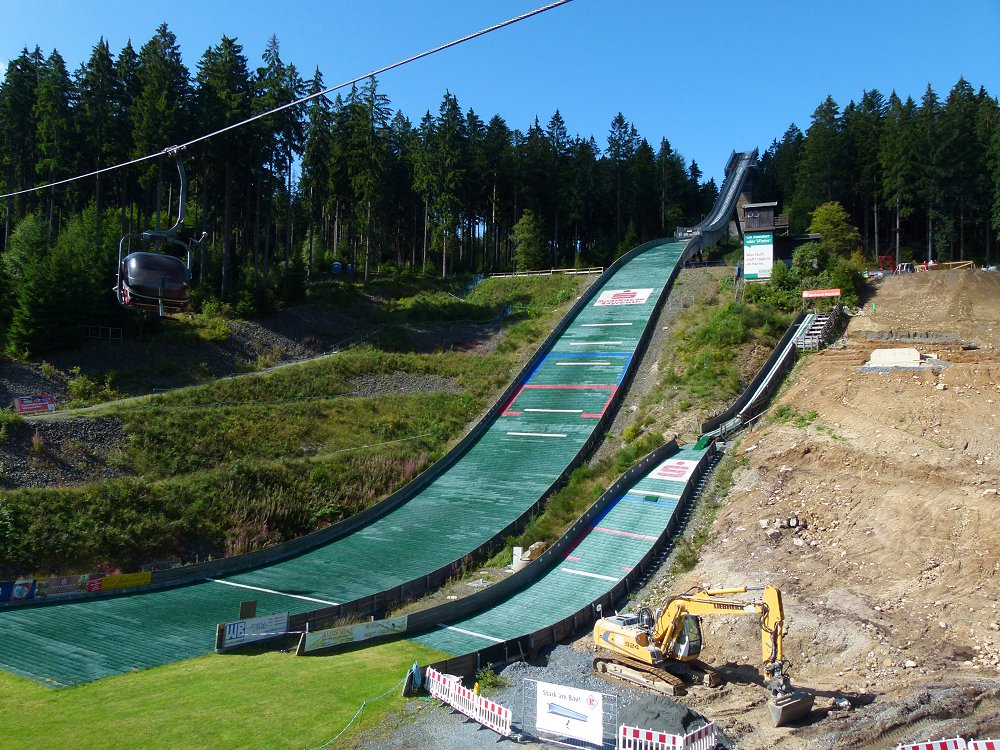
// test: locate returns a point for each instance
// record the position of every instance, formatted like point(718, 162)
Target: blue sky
point(711, 76)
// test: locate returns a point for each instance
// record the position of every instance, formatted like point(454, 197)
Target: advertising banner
point(675, 470)
point(361, 631)
point(20, 590)
point(126, 581)
point(95, 584)
point(623, 297)
point(817, 293)
point(565, 711)
point(758, 254)
point(256, 629)
point(62, 585)
point(34, 404)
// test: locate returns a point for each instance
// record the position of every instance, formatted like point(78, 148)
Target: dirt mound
point(874, 504)
point(961, 304)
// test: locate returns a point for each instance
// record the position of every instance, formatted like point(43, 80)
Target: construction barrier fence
point(482, 710)
point(634, 738)
point(956, 743)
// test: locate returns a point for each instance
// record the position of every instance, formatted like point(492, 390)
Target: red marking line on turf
point(629, 534)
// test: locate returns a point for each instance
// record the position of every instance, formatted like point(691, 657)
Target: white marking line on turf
point(558, 411)
point(473, 633)
point(272, 591)
point(602, 325)
point(589, 575)
point(579, 364)
point(538, 434)
point(592, 343)
point(667, 495)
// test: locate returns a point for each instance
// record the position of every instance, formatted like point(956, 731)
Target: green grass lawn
point(268, 700)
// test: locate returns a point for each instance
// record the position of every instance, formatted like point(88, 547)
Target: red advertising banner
point(94, 585)
point(34, 404)
point(814, 293)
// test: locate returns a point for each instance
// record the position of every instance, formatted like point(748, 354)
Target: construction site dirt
point(872, 500)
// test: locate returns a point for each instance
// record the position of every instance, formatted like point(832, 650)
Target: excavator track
point(657, 680)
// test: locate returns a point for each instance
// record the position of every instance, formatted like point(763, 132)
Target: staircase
point(815, 335)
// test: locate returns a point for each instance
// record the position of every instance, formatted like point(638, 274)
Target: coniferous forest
point(443, 192)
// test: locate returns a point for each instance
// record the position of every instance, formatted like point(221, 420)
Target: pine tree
point(622, 142)
point(898, 159)
point(819, 173)
point(54, 127)
point(449, 172)
point(225, 96)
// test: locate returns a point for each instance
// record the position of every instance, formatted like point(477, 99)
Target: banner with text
point(568, 712)
point(758, 254)
point(242, 632)
point(623, 297)
point(361, 631)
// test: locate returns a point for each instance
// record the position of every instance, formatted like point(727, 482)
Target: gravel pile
point(24, 380)
point(401, 384)
point(428, 723)
point(65, 452)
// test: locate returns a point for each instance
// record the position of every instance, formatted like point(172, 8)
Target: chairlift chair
point(152, 279)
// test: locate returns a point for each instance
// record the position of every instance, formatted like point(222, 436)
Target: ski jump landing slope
point(542, 428)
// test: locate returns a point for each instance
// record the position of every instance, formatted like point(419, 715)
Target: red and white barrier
point(633, 738)
point(439, 685)
point(956, 743)
point(702, 738)
point(476, 707)
point(495, 717)
point(983, 745)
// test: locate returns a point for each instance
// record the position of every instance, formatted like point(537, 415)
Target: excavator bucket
point(790, 707)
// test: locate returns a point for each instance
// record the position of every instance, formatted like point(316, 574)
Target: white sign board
point(623, 297)
point(362, 631)
point(674, 470)
point(255, 629)
point(758, 254)
point(578, 714)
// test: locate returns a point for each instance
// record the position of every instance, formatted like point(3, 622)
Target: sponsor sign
point(255, 629)
point(362, 631)
point(20, 590)
point(62, 585)
point(126, 581)
point(34, 403)
point(568, 712)
point(815, 293)
point(758, 254)
point(94, 584)
point(675, 470)
point(623, 297)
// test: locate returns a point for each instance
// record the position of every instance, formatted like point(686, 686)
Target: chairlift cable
point(172, 150)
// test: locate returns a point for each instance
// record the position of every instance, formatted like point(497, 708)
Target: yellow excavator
point(647, 649)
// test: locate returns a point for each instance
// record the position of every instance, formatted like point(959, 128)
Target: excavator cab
point(687, 644)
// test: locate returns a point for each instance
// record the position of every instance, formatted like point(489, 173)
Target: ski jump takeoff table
point(498, 479)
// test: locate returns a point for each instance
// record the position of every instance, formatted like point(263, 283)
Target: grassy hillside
point(239, 464)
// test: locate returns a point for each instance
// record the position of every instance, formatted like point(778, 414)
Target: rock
point(798, 542)
point(534, 551)
point(909, 664)
point(764, 522)
point(774, 535)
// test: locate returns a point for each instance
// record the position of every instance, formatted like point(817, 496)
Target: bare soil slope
point(890, 569)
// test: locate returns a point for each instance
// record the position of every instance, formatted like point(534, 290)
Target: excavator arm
point(704, 603)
